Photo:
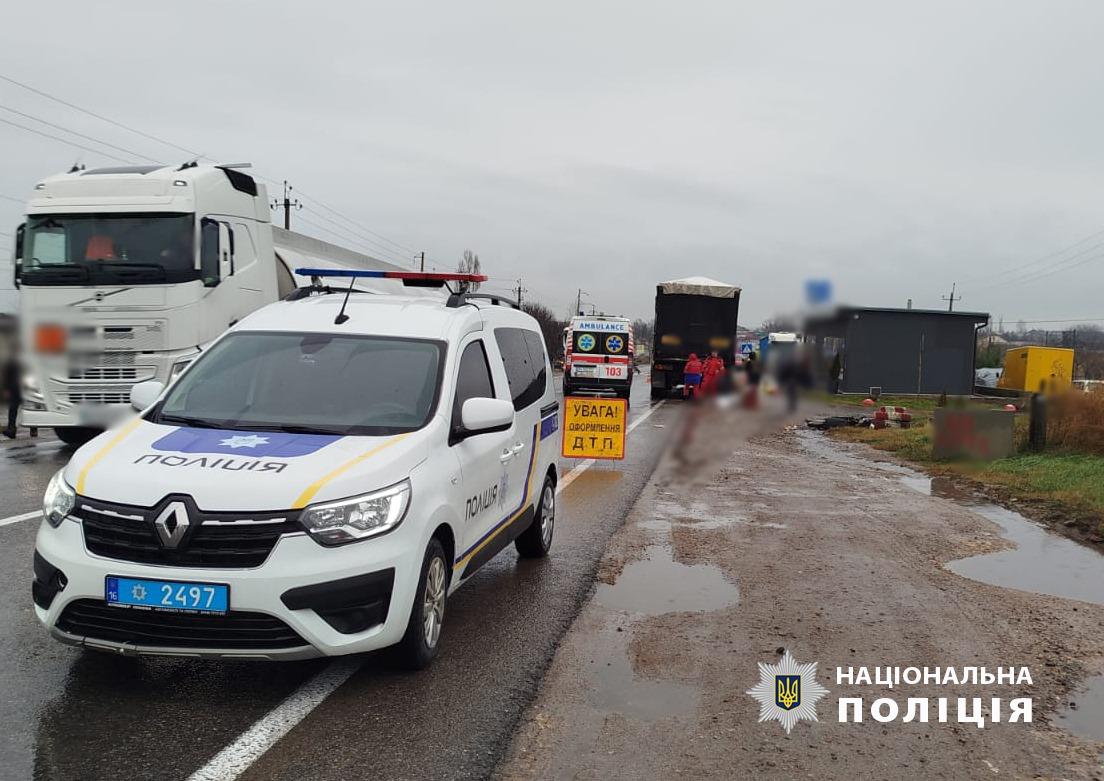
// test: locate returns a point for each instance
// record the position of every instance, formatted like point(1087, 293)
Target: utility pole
point(287, 204)
point(950, 300)
point(579, 302)
point(421, 255)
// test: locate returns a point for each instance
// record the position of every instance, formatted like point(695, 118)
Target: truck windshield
point(109, 249)
point(310, 384)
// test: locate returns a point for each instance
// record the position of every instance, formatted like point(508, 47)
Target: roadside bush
point(1075, 422)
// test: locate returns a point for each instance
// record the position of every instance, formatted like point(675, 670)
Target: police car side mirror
point(482, 416)
point(145, 393)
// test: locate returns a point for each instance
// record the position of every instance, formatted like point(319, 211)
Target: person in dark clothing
point(13, 393)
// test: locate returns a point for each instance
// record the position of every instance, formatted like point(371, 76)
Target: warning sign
point(594, 428)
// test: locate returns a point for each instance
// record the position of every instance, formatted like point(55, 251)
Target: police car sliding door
point(483, 458)
point(523, 358)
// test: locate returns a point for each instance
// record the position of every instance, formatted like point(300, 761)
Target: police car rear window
point(313, 383)
point(523, 356)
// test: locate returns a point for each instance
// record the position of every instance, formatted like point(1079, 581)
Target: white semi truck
point(125, 274)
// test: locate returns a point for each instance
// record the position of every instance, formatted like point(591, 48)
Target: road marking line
point(252, 744)
point(236, 758)
point(582, 466)
point(18, 518)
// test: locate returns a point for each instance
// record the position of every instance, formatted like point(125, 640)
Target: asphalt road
point(71, 714)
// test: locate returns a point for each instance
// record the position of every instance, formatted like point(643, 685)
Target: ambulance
point(316, 483)
point(598, 356)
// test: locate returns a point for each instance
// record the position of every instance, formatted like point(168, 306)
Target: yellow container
point(1032, 369)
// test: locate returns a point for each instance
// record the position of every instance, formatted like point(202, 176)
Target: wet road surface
point(70, 714)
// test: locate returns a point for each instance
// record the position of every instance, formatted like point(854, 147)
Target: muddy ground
point(800, 547)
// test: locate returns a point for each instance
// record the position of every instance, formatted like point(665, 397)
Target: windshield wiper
point(288, 428)
point(184, 420)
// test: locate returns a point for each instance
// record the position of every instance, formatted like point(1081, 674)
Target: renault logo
point(172, 524)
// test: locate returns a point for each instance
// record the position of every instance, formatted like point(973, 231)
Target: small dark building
point(897, 350)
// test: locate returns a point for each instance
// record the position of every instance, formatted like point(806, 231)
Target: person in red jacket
point(692, 376)
point(711, 373)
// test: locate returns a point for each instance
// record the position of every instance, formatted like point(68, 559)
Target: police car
point(316, 483)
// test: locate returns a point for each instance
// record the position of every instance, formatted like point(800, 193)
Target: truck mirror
point(209, 264)
point(17, 259)
point(226, 250)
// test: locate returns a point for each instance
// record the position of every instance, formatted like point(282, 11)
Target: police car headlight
point(348, 520)
point(59, 500)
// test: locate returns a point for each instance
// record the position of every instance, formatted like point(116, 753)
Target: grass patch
point(1074, 482)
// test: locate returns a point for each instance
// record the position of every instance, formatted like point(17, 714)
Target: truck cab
point(125, 274)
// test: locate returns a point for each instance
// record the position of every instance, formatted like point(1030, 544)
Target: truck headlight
point(59, 499)
point(358, 517)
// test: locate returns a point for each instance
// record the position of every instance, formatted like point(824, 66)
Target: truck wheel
point(659, 393)
point(423, 631)
point(75, 436)
point(536, 541)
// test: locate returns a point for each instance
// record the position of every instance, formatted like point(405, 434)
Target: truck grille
point(127, 533)
point(236, 630)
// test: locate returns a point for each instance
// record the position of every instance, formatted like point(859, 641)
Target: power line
point(102, 118)
point(322, 216)
point(402, 247)
point(10, 198)
point(75, 133)
point(342, 238)
point(62, 140)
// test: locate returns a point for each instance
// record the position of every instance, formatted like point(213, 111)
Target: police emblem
point(787, 692)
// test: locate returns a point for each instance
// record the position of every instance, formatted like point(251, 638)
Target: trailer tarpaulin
point(699, 286)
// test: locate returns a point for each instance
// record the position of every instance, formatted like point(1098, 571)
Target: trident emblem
point(787, 691)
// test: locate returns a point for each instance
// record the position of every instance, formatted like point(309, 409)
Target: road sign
point(594, 427)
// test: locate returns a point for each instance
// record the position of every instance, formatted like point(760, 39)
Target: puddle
point(1042, 562)
point(657, 584)
point(615, 688)
point(1084, 711)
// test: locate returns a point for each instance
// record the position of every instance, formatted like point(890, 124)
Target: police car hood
point(140, 463)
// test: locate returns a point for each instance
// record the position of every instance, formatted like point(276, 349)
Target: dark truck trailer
point(693, 315)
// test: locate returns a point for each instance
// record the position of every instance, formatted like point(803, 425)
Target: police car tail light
point(59, 499)
point(348, 520)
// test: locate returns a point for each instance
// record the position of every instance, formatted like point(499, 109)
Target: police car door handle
point(507, 454)
point(518, 447)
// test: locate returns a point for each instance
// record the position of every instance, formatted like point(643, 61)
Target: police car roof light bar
point(410, 278)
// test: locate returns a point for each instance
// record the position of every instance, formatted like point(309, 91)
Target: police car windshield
point(309, 383)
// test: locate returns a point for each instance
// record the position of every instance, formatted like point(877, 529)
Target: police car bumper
point(304, 601)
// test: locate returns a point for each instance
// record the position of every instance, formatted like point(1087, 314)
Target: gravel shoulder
point(824, 554)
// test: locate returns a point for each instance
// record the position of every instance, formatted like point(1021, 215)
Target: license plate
point(583, 371)
point(169, 595)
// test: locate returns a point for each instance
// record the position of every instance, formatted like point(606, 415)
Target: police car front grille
point(127, 533)
point(236, 630)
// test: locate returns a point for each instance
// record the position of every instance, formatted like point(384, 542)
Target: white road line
point(582, 466)
point(18, 518)
point(236, 758)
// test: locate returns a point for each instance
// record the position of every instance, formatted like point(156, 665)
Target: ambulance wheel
point(536, 541)
point(624, 394)
point(75, 436)
point(568, 389)
point(423, 631)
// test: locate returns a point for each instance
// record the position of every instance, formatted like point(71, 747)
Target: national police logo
point(586, 343)
point(614, 343)
point(787, 692)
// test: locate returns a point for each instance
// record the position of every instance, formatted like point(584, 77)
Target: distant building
point(897, 350)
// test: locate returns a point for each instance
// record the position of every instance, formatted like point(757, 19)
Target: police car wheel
point(423, 631)
point(536, 541)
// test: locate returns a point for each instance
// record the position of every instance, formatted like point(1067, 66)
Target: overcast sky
point(893, 147)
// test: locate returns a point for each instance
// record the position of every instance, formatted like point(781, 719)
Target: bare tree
point(469, 264)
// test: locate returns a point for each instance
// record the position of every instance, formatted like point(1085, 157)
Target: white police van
point(316, 483)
